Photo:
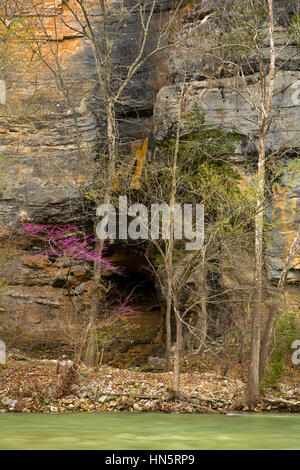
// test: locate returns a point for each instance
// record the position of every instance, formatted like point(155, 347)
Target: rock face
point(45, 170)
point(224, 108)
point(38, 130)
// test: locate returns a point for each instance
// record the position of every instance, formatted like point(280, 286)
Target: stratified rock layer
point(45, 169)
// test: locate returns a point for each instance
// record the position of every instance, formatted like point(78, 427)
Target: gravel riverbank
point(52, 386)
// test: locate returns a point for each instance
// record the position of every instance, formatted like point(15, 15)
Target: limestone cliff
point(225, 109)
point(43, 166)
point(45, 169)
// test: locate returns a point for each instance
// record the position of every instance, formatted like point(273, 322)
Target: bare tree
point(264, 109)
point(113, 80)
point(184, 172)
point(244, 59)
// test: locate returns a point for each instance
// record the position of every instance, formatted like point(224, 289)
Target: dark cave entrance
point(135, 286)
point(137, 279)
point(138, 328)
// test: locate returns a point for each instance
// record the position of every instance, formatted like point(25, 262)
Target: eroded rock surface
point(224, 108)
point(45, 169)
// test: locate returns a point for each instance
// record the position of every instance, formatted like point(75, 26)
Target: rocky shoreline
point(53, 386)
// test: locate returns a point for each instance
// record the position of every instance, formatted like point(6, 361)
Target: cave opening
point(136, 281)
point(138, 289)
point(136, 332)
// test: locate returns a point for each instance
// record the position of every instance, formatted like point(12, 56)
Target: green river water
point(124, 431)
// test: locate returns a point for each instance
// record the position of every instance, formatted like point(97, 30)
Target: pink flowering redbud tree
point(68, 245)
point(62, 243)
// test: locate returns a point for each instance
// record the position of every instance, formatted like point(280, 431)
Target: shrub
point(285, 334)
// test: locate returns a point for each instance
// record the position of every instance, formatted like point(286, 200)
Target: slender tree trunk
point(111, 144)
point(253, 392)
point(90, 355)
point(253, 374)
point(170, 246)
point(203, 319)
point(104, 77)
point(91, 351)
point(178, 351)
point(168, 322)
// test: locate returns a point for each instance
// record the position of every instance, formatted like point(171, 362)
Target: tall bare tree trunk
point(253, 392)
point(168, 322)
point(97, 292)
point(104, 78)
point(253, 374)
point(203, 319)
point(178, 351)
point(170, 245)
point(90, 355)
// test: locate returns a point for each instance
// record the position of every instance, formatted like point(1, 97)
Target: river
point(124, 431)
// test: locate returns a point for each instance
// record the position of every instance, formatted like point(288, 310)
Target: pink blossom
point(124, 308)
point(62, 243)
